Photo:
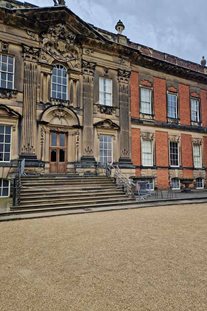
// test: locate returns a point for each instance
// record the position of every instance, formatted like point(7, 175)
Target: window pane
point(59, 82)
point(62, 139)
point(174, 161)
point(6, 71)
point(146, 105)
point(105, 149)
point(54, 139)
point(147, 153)
point(53, 156)
point(62, 155)
point(175, 183)
point(105, 91)
point(172, 106)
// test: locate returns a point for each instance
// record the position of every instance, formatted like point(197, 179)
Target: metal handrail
point(18, 182)
point(122, 182)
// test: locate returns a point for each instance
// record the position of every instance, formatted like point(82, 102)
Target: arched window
point(59, 82)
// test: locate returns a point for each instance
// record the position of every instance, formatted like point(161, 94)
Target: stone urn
point(186, 182)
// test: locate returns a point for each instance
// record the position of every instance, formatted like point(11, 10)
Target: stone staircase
point(52, 193)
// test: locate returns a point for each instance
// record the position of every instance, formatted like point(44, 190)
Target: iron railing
point(18, 182)
point(122, 182)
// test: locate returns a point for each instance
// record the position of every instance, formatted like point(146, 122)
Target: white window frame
point(177, 188)
point(192, 100)
point(7, 71)
point(172, 165)
point(105, 92)
point(64, 95)
point(104, 142)
point(3, 152)
point(144, 103)
point(143, 153)
point(1, 188)
point(176, 96)
point(203, 183)
point(195, 162)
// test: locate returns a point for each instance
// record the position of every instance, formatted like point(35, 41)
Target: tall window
point(106, 149)
point(146, 101)
point(5, 143)
point(59, 82)
point(172, 106)
point(174, 154)
point(6, 72)
point(4, 188)
point(197, 159)
point(147, 153)
point(195, 110)
point(105, 91)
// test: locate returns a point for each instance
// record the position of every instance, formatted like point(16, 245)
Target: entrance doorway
point(58, 152)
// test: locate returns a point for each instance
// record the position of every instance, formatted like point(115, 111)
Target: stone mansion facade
point(73, 96)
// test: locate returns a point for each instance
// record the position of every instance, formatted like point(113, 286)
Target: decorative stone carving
point(107, 124)
point(174, 138)
point(30, 53)
point(197, 141)
point(125, 153)
point(147, 136)
point(88, 150)
point(4, 46)
point(59, 2)
point(88, 68)
point(107, 109)
point(59, 113)
point(146, 83)
point(58, 43)
point(61, 102)
point(6, 93)
point(124, 76)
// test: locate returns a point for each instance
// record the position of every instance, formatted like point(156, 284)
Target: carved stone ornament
point(146, 83)
point(107, 109)
point(197, 141)
point(124, 76)
point(30, 53)
point(124, 152)
point(4, 47)
point(88, 68)
point(174, 138)
point(88, 150)
point(147, 135)
point(58, 42)
point(6, 93)
point(59, 113)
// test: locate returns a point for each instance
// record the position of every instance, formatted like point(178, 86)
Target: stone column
point(87, 158)
point(29, 122)
point(124, 104)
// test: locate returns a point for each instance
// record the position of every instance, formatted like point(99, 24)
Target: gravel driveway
point(138, 260)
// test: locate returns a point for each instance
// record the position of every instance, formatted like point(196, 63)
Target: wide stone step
point(22, 210)
point(67, 189)
point(51, 203)
point(69, 199)
point(79, 194)
point(43, 184)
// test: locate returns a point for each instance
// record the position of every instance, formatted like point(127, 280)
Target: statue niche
point(58, 43)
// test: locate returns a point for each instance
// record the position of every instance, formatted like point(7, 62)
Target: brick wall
point(134, 94)
point(161, 149)
point(160, 99)
point(204, 107)
point(136, 154)
point(162, 179)
point(186, 151)
point(205, 152)
point(184, 104)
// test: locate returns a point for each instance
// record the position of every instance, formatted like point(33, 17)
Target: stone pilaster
point(88, 92)
point(29, 125)
point(124, 101)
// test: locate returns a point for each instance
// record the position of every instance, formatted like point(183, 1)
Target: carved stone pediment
point(174, 138)
point(107, 124)
point(58, 43)
point(5, 111)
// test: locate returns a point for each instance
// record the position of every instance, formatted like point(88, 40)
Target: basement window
point(4, 188)
point(199, 183)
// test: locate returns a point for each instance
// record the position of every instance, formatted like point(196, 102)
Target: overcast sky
point(178, 27)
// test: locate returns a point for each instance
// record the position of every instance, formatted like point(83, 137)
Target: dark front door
point(58, 152)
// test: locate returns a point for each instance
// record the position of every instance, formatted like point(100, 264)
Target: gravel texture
point(138, 260)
